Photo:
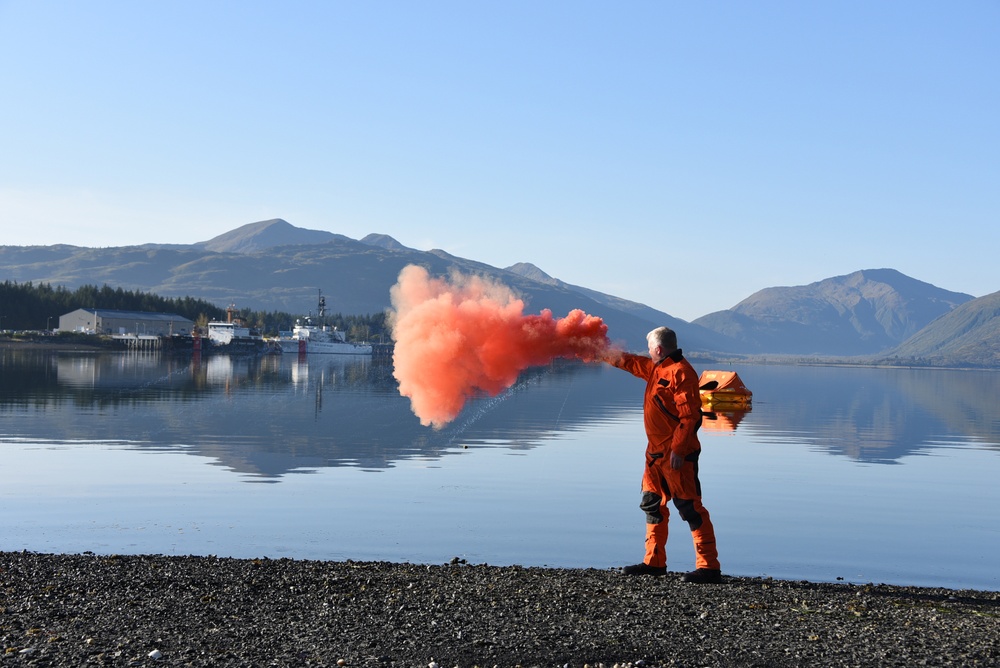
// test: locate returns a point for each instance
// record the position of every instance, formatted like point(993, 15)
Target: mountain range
point(869, 315)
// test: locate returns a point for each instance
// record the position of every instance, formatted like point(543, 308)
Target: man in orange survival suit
point(672, 414)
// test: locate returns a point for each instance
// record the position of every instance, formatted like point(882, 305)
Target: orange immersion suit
point(672, 414)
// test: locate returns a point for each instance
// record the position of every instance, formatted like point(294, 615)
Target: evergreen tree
point(25, 306)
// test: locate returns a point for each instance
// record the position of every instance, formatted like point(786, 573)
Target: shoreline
point(209, 611)
point(722, 358)
point(7, 343)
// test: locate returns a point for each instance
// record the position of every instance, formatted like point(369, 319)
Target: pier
point(382, 351)
point(139, 341)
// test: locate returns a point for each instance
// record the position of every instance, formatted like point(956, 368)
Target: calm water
point(869, 475)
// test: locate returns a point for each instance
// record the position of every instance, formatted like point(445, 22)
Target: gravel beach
point(82, 610)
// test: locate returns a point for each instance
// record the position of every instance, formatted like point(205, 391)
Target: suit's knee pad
point(685, 508)
point(650, 504)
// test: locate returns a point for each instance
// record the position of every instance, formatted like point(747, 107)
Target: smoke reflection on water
point(110, 455)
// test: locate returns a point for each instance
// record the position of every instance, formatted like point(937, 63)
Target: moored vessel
point(234, 338)
point(309, 338)
point(230, 337)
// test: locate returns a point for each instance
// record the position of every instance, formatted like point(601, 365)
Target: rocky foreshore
point(83, 610)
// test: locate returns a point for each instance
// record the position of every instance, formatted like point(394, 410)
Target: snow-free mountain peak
point(529, 270)
point(254, 237)
point(383, 241)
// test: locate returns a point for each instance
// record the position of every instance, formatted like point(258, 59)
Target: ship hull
point(307, 347)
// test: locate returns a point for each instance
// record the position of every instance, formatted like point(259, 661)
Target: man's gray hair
point(663, 337)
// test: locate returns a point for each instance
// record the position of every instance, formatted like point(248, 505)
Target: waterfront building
point(139, 323)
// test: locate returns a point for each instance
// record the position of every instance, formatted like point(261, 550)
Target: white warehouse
point(106, 321)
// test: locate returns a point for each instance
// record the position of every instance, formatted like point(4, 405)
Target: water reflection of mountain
point(269, 416)
point(874, 415)
point(349, 413)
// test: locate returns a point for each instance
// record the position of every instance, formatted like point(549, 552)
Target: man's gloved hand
point(676, 461)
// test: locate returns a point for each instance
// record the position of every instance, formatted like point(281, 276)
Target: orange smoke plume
point(459, 337)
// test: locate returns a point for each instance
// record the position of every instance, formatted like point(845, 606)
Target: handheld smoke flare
point(460, 337)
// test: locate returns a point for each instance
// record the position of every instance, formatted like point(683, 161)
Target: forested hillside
point(274, 265)
point(29, 306)
point(966, 336)
point(862, 313)
point(26, 306)
point(866, 315)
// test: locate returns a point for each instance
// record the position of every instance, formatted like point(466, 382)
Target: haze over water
point(870, 475)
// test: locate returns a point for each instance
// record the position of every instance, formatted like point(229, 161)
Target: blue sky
point(683, 155)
